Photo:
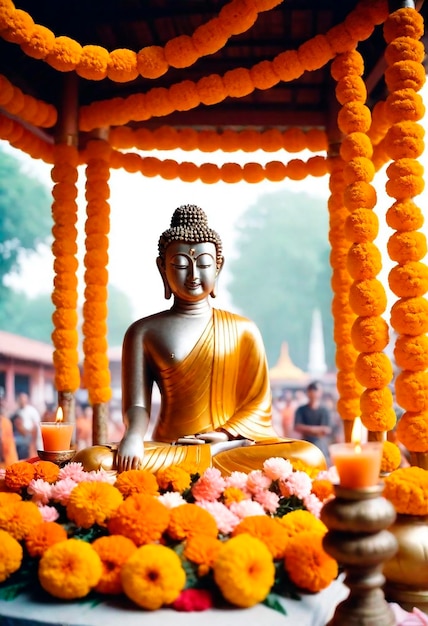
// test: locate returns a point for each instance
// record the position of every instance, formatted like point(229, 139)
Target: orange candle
point(56, 435)
point(358, 465)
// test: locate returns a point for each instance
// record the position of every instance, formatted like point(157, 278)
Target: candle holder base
point(59, 457)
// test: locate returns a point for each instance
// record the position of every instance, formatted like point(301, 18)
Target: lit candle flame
point(356, 434)
point(59, 415)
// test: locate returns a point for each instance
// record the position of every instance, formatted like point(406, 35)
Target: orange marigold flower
point(11, 554)
point(19, 518)
point(190, 519)
point(233, 494)
point(19, 475)
point(114, 551)
point(7, 497)
point(391, 457)
point(307, 563)
point(70, 569)
point(136, 481)
point(93, 503)
point(299, 521)
point(411, 389)
point(203, 551)
point(412, 431)
point(173, 478)
point(407, 489)
point(323, 489)
point(141, 518)
point(41, 537)
point(244, 570)
point(46, 470)
point(267, 529)
point(153, 576)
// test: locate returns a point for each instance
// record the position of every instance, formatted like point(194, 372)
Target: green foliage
point(25, 213)
point(281, 272)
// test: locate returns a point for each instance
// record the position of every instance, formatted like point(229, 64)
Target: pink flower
point(40, 490)
point(193, 600)
point(2, 473)
point(257, 481)
point(330, 474)
point(101, 476)
point(244, 508)
point(62, 489)
point(238, 480)
point(74, 471)
point(209, 486)
point(49, 513)
point(313, 504)
point(225, 519)
point(268, 499)
point(171, 499)
point(298, 484)
point(277, 468)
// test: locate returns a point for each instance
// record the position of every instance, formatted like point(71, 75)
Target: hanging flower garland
point(170, 138)
point(367, 297)
point(209, 173)
point(96, 363)
point(122, 65)
point(238, 82)
point(405, 76)
point(22, 139)
point(347, 386)
point(64, 249)
point(29, 109)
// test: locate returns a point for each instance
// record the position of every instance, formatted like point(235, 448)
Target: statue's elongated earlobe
point(213, 292)
point(161, 268)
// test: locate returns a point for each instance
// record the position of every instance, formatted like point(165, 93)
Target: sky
point(141, 209)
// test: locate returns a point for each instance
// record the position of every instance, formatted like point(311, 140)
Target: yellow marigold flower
point(307, 563)
point(153, 576)
point(391, 457)
point(113, 551)
point(407, 489)
point(173, 478)
point(190, 519)
point(244, 570)
point(300, 466)
point(19, 518)
point(11, 553)
point(19, 475)
point(233, 494)
point(46, 470)
point(268, 530)
point(41, 537)
point(141, 518)
point(323, 489)
point(299, 521)
point(203, 551)
point(137, 481)
point(70, 569)
point(93, 503)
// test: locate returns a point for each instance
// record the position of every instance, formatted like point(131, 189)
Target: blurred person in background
point(313, 422)
point(28, 423)
point(8, 452)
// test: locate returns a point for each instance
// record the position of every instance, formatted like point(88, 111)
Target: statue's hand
point(212, 436)
point(130, 452)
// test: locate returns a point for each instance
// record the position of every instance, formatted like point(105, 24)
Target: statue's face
point(190, 269)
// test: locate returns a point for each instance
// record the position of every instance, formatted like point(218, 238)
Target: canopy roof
point(308, 101)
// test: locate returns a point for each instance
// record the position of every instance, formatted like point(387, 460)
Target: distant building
point(26, 365)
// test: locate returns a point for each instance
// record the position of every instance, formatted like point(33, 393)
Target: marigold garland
point(391, 457)
point(404, 76)
point(407, 489)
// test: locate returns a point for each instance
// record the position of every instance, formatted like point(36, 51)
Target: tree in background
point(280, 273)
point(25, 223)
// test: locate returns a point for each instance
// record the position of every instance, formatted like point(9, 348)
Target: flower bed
point(176, 540)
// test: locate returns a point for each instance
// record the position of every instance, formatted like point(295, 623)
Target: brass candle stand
point(357, 538)
point(59, 457)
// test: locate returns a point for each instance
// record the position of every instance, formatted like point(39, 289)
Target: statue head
point(189, 224)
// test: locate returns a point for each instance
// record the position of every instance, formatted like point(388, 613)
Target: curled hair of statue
point(189, 223)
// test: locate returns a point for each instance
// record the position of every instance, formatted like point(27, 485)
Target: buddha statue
point(210, 366)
